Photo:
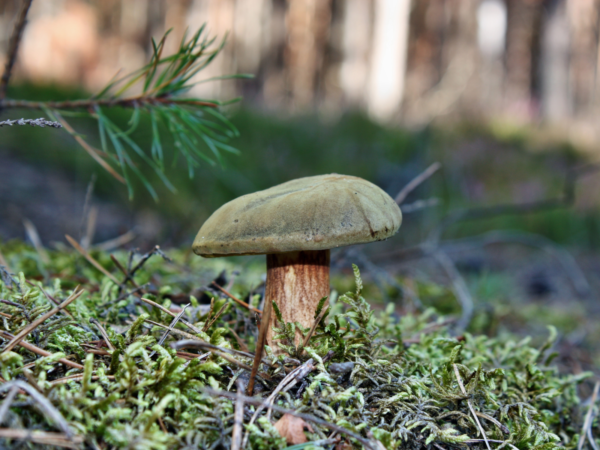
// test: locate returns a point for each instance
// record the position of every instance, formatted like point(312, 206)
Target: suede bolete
point(296, 224)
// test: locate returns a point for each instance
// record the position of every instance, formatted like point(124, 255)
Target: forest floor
point(149, 354)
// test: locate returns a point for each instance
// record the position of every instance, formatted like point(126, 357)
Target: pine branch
point(131, 102)
point(197, 127)
point(41, 122)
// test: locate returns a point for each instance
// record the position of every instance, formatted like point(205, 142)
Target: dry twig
point(34, 237)
point(170, 328)
point(38, 351)
point(42, 437)
point(103, 333)
point(312, 329)
point(92, 261)
point(172, 314)
point(237, 300)
point(44, 404)
point(461, 291)
point(33, 325)
point(587, 424)
point(238, 418)
point(464, 391)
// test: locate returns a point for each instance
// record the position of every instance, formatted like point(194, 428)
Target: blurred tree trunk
point(556, 103)
point(583, 18)
point(218, 16)
point(388, 57)
point(521, 42)
point(356, 47)
point(251, 27)
point(307, 23)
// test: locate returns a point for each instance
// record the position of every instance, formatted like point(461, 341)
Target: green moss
point(399, 385)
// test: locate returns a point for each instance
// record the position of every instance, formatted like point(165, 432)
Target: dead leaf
point(292, 429)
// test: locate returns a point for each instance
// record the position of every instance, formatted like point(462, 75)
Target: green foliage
point(197, 129)
point(148, 396)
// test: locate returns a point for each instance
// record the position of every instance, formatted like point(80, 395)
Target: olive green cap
point(312, 213)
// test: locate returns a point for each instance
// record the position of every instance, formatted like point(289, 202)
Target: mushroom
point(296, 224)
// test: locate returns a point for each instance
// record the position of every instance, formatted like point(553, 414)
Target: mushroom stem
point(296, 281)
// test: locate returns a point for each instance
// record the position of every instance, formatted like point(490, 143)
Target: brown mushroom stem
point(296, 281)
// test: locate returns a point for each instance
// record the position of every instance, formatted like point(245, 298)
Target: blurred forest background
point(503, 93)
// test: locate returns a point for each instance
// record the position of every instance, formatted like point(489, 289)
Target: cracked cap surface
point(312, 213)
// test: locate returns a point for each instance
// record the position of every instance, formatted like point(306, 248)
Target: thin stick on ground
point(237, 300)
point(173, 330)
point(207, 346)
point(461, 291)
point(415, 182)
point(307, 417)
point(155, 251)
point(464, 391)
point(7, 402)
point(289, 378)
point(13, 47)
point(92, 261)
point(45, 405)
point(312, 329)
point(209, 323)
point(119, 266)
point(238, 418)
point(103, 333)
point(34, 237)
point(260, 344)
point(38, 351)
point(42, 437)
point(170, 328)
point(172, 314)
point(299, 374)
point(50, 298)
point(78, 377)
point(137, 292)
point(587, 423)
point(33, 325)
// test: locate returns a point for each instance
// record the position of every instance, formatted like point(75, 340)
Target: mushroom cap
point(312, 213)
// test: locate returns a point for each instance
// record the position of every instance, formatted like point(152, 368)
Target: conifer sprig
point(197, 127)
